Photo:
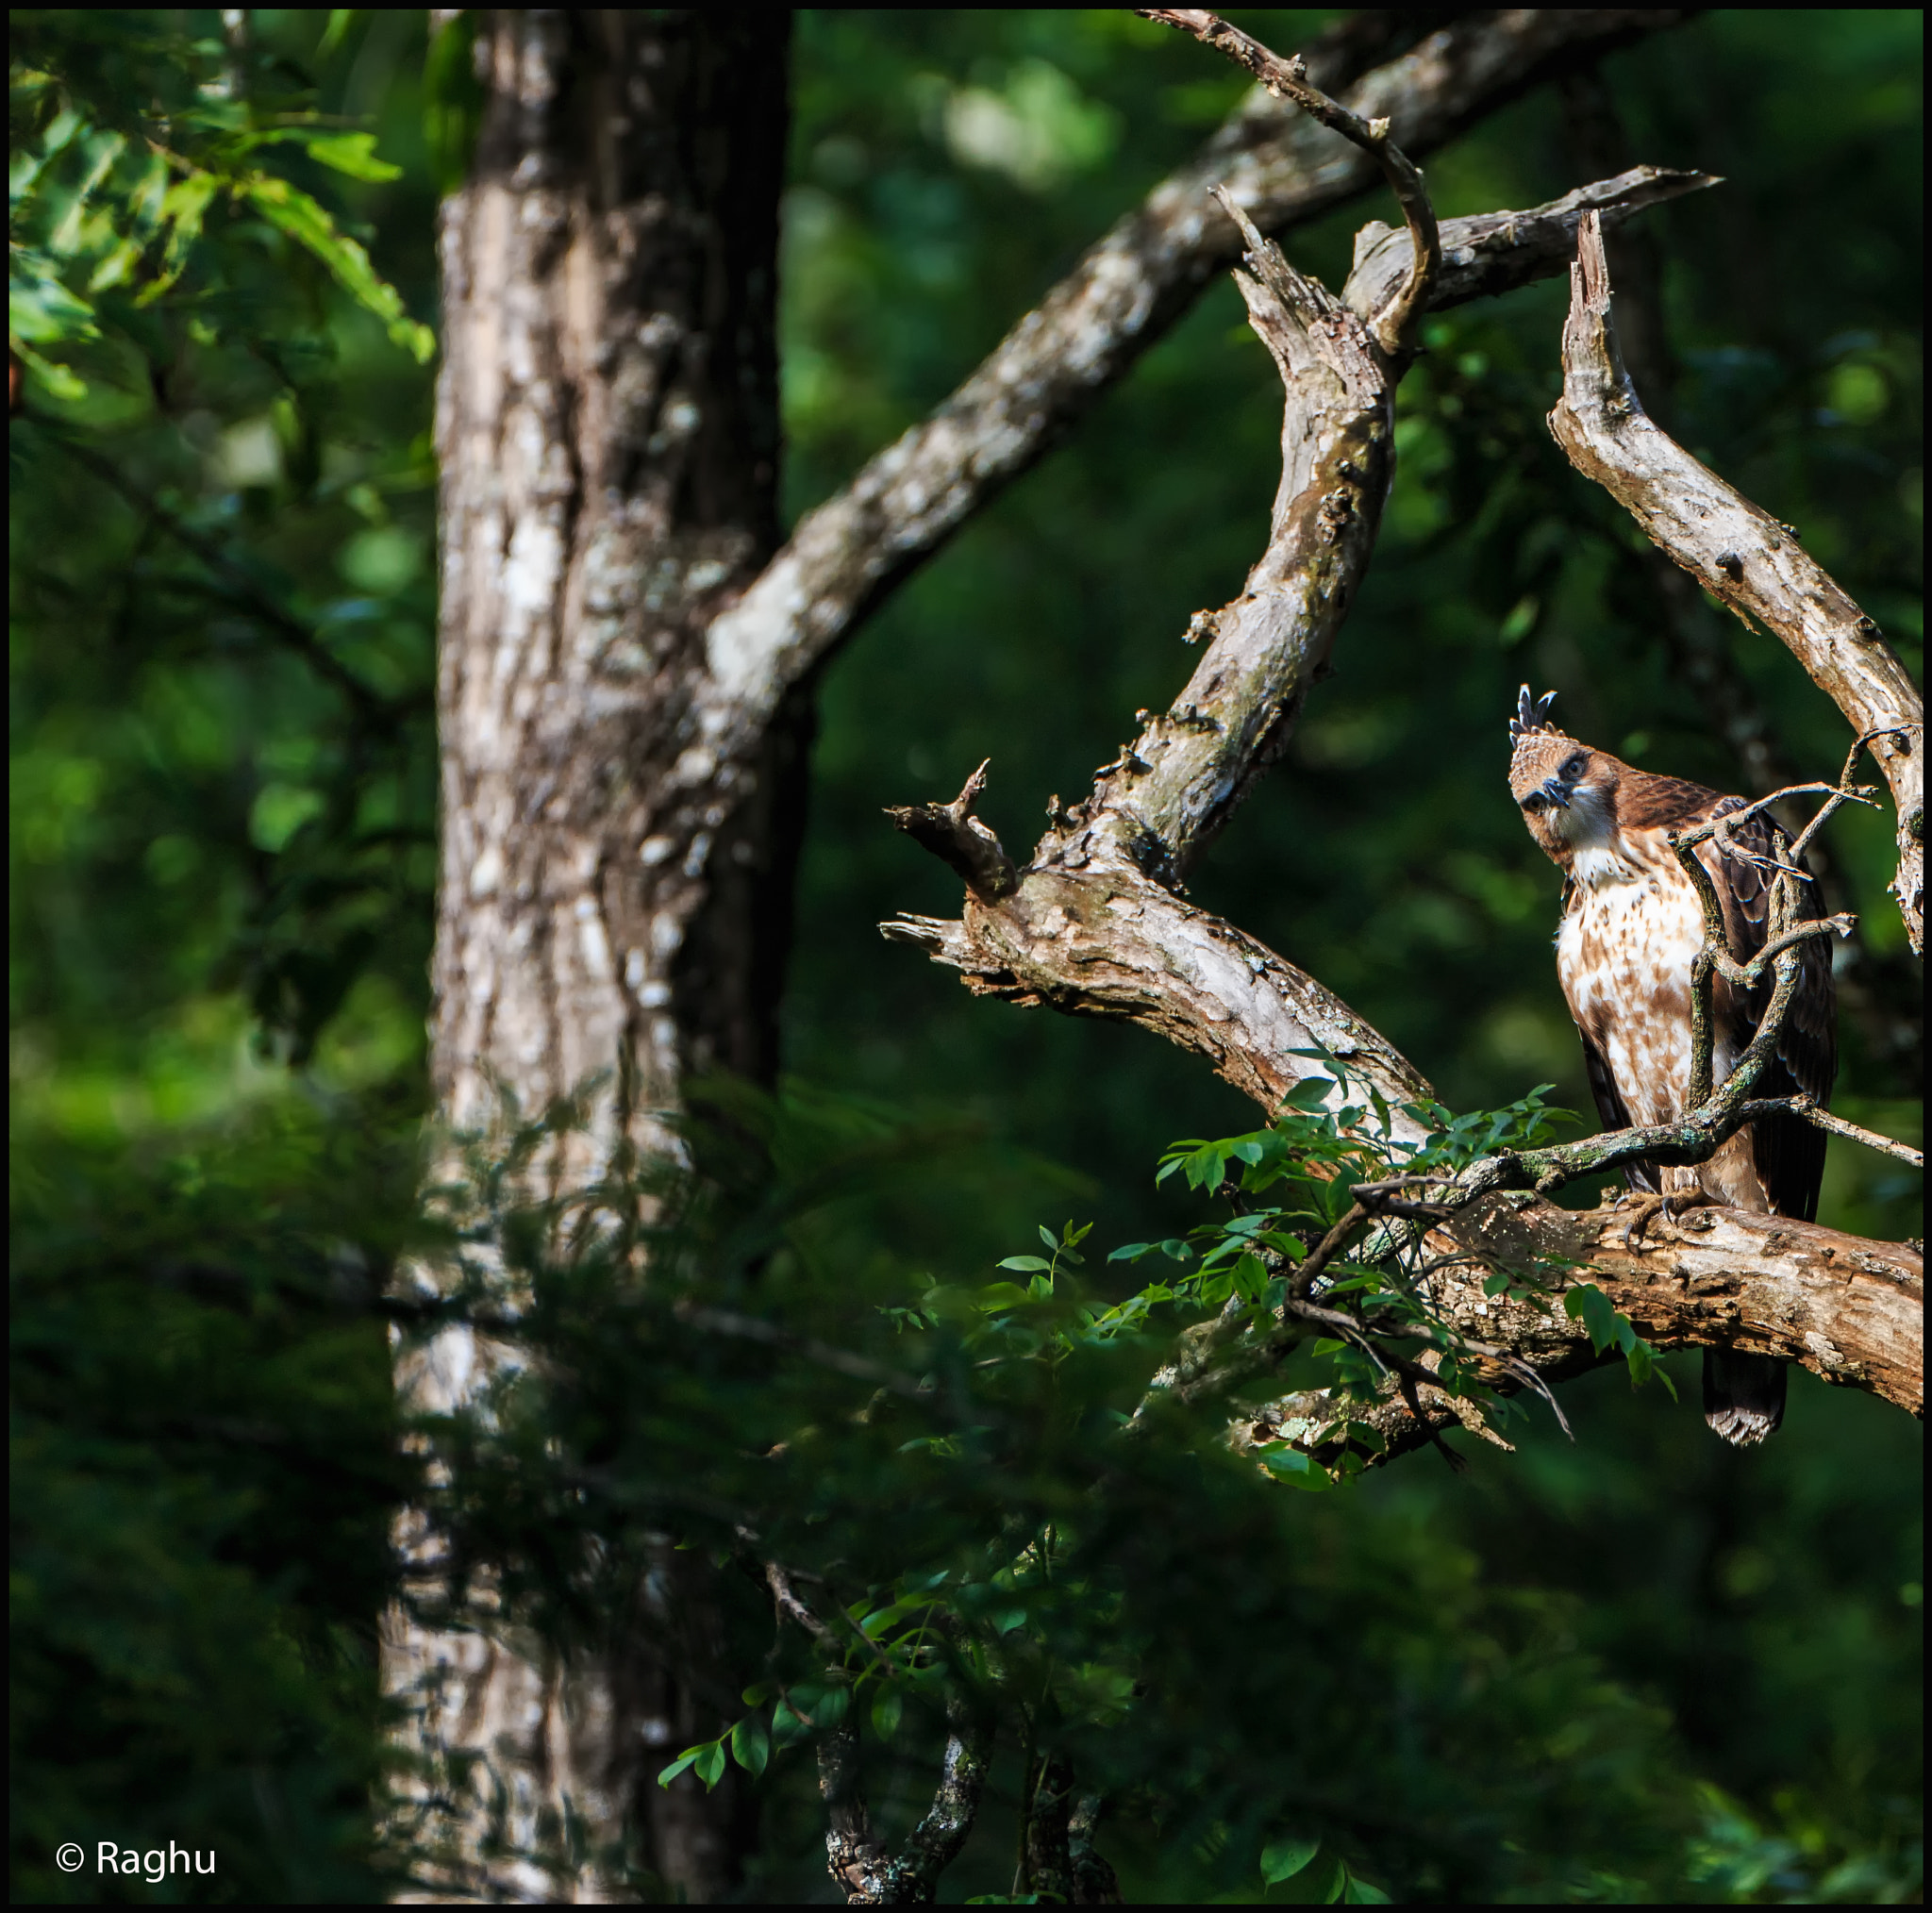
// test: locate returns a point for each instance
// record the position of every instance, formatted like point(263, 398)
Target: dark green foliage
point(1639, 1666)
point(203, 1461)
point(953, 1478)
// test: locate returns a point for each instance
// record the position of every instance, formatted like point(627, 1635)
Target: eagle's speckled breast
point(1623, 955)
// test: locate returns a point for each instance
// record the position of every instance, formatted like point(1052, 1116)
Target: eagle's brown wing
point(1790, 1154)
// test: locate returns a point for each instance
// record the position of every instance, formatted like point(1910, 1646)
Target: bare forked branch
point(1095, 922)
point(1742, 556)
point(1393, 325)
point(1281, 167)
point(957, 837)
point(1096, 926)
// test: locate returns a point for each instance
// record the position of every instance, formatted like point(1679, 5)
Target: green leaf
point(1588, 1305)
point(751, 1745)
point(42, 309)
point(1285, 1858)
point(685, 1759)
point(292, 212)
point(998, 1295)
point(1359, 1894)
point(757, 1694)
point(1026, 1262)
point(354, 154)
point(1310, 1094)
point(709, 1765)
point(1130, 1252)
point(886, 1713)
point(790, 1721)
point(1290, 1465)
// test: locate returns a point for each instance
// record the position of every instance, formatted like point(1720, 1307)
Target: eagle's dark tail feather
point(1743, 1395)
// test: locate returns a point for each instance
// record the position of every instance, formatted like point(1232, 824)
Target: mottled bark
point(873, 1874)
point(1742, 556)
point(613, 899)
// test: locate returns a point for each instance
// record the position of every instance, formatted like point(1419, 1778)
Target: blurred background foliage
point(223, 856)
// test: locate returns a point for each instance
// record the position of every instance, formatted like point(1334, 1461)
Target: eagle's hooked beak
point(1557, 791)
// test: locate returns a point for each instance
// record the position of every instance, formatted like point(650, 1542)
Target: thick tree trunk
point(613, 900)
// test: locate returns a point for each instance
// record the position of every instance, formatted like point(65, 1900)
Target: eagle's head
point(1566, 790)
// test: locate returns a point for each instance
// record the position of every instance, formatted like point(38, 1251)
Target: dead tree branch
point(1742, 556)
point(870, 1872)
point(1848, 1310)
point(1094, 923)
point(1280, 167)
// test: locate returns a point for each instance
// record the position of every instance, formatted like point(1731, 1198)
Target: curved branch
point(1108, 941)
point(868, 1870)
point(1094, 928)
point(1280, 167)
point(1742, 556)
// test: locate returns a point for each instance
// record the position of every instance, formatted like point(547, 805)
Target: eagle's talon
point(1645, 1208)
point(1648, 1207)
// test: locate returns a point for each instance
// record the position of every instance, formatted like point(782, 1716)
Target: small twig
point(1318, 1258)
point(244, 590)
point(788, 1605)
point(753, 1328)
point(1288, 79)
point(1808, 1111)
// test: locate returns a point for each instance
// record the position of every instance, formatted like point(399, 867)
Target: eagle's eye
point(1573, 769)
point(1536, 800)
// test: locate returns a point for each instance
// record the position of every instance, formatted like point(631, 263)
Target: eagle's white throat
point(1598, 855)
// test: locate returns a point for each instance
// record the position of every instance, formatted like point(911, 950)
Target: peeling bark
point(1849, 1309)
point(1093, 925)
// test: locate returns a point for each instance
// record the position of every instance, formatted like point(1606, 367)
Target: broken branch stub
point(1741, 555)
point(957, 837)
point(1391, 323)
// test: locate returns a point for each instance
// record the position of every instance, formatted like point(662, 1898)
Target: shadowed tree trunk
point(613, 899)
